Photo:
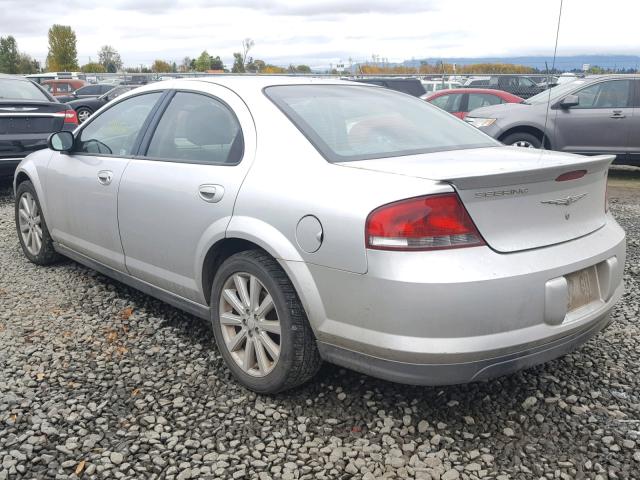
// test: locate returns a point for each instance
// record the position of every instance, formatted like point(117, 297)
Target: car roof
point(7, 76)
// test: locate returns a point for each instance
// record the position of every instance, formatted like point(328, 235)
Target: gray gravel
point(100, 381)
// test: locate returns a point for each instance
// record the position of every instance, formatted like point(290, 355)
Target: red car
point(460, 101)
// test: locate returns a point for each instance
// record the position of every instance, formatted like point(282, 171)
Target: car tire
point(522, 139)
point(249, 355)
point(31, 226)
point(83, 113)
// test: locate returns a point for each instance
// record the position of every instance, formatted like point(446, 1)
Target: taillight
point(431, 222)
point(70, 117)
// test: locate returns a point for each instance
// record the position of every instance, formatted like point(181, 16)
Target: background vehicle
point(595, 115)
point(518, 85)
point(460, 101)
point(88, 91)
point(167, 189)
point(476, 82)
point(411, 86)
point(41, 77)
point(59, 88)
point(84, 107)
point(436, 85)
point(28, 115)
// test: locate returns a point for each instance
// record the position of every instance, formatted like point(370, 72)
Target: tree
point(185, 66)
point(27, 64)
point(160, 66)
point(109, 58)
point(203, 62)
point(247, 44)
point(9, 57)
point(93, 67)
point(62, 49)
point(255, 66)
point(216, 63)
point(303, 69)
point(273, 69)
point(238, 63)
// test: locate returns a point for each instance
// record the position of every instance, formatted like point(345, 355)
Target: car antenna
point(553, 67)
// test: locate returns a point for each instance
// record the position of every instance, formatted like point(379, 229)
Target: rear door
point(82, 186)
point(479, 100)
point(176, 199)
point(452, 103)
point(600, 123)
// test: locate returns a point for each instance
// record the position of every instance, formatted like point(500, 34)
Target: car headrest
point(209, 125)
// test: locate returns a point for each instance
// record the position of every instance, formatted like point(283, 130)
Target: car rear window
point(13, 89)
point(350, 123)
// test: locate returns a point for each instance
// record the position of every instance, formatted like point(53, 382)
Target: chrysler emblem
point(565, 201)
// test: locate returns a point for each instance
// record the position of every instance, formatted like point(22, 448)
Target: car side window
point(477, 100)
point(610, 94)
point(88, 90)
point(449, 103)
point(115, 131)
point(197, 128)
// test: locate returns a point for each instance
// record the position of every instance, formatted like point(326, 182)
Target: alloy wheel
point(83, 115)
point(30, 224)
point(250, 324)
point(523, 144)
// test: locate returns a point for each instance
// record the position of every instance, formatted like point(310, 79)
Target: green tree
point(27, 64)
point(93, 67)
point(203, 62)
point(9, 56)
point(160, 66)
point(109, 58)
point(63, 54)
point(303, 69)
point(238, 63)
point(255, 66)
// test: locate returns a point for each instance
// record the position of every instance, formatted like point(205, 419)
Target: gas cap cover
point(309, 234)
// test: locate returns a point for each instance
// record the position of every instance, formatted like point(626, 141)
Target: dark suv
point(515, 84)
point(411, 86)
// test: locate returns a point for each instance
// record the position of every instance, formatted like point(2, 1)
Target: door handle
point(211, 193)
point(105, 177)
point(617, 114)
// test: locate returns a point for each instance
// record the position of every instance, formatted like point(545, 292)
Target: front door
point(177, 198)
point(600, 123)
point(82, 186)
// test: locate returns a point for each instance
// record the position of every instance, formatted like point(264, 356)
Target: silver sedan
point(313, 219)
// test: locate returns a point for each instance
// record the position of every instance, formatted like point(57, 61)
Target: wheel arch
point(530, 129)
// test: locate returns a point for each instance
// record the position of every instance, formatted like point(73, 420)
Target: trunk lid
point(513, 194)
point(30, 117)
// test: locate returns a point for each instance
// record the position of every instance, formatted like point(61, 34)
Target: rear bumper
point(465, 314)
point(8, 166)
point(456, 373)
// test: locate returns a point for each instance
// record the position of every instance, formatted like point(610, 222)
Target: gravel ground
point(100, 381)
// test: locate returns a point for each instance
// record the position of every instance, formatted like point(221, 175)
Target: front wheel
point(260, 326)
point(522, 139)
point(33, 233)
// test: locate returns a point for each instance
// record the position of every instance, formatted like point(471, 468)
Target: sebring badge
point(565, 201)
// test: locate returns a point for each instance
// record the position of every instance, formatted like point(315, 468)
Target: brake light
point(432, 222)
point(573, 175)
point(70, 117)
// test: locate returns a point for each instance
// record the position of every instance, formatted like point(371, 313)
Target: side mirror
point(60, 141)
point(570, 101)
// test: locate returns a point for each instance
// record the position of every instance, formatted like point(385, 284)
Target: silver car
point(314, 220)
point(593, 116)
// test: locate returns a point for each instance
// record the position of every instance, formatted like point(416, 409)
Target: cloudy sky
point(320, 32)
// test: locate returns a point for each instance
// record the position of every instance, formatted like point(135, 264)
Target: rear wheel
point(522, 139)
point(260, 326)
point(83, 114)
point(33, 234)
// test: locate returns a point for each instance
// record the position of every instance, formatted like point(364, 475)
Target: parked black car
point(412, 86)
point(516, 84)
point(84, 107)
point(88, 91)
point(28, 115)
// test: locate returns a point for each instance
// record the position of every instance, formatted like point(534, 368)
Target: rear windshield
point(349, 123)
point(11, 89)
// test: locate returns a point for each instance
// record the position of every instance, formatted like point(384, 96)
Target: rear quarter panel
point(290, 179)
